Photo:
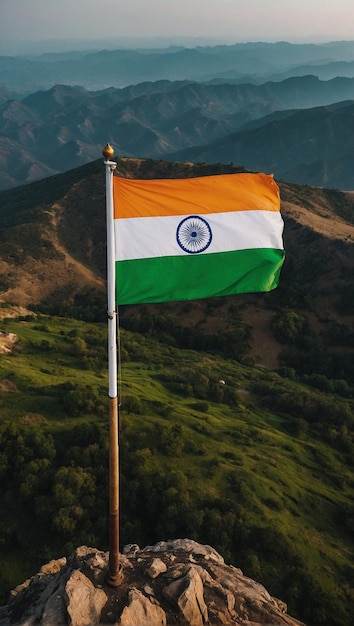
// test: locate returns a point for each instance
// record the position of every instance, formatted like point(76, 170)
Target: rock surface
point(174, 583)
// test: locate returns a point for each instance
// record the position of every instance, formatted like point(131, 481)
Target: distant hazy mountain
point(118, 68)
point(313, 146)
point(56, 130)
point(324, 71)
point(7, 94)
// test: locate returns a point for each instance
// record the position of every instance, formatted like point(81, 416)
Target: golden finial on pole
point(108, 152)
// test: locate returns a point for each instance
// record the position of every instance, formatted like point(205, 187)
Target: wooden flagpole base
point(115, 573)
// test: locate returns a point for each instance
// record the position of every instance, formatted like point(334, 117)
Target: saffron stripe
point(201, 195)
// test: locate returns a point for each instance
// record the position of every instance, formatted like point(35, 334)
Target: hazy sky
point(238, 20)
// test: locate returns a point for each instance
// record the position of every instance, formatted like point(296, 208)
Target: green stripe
point(197, 276)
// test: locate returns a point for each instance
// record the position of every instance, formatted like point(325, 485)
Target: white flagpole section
point(115, 575)
point(111, 279)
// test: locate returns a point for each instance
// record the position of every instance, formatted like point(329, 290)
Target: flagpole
point(115, 575)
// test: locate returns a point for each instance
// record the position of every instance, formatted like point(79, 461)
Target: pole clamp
point(111, 164)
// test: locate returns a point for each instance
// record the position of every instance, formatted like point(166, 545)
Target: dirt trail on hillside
point(38, 278)
point(82, 269)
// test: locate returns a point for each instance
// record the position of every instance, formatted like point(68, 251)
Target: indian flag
point(194, 238)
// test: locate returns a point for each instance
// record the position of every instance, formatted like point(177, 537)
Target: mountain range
point(298, 128)
point(242, 62)
point(310, 147)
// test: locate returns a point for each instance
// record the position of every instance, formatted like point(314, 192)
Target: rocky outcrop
point(179, 582)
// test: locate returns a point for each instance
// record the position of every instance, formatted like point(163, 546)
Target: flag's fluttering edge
point(185, 239)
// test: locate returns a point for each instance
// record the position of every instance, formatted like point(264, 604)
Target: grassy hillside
point(260, 467)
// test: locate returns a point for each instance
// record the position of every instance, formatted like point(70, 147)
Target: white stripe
point(147, 237)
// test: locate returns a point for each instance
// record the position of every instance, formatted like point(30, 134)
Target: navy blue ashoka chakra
point(194, 234)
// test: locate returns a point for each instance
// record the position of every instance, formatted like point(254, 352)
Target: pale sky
point(235, 20)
